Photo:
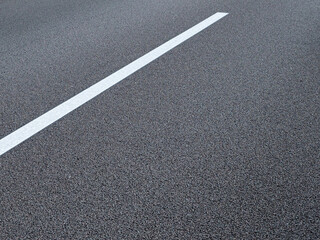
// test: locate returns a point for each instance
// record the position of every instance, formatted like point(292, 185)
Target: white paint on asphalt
point(73, 103)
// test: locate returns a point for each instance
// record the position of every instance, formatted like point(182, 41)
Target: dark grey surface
point(218, 139)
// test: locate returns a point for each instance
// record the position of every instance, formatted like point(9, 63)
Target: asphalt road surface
point(216, 139)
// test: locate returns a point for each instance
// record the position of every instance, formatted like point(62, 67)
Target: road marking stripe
point(35, 126)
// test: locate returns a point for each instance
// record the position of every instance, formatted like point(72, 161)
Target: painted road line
point(35, 126)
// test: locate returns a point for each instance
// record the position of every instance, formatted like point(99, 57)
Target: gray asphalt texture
point(217, 139)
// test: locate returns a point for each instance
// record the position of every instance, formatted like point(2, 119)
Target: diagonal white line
point(35, 126)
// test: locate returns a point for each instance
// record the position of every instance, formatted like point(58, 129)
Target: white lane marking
point(35, 126)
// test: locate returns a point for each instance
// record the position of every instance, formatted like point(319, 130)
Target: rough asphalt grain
point(217, 139)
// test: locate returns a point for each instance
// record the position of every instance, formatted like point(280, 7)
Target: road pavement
point(216, 139)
